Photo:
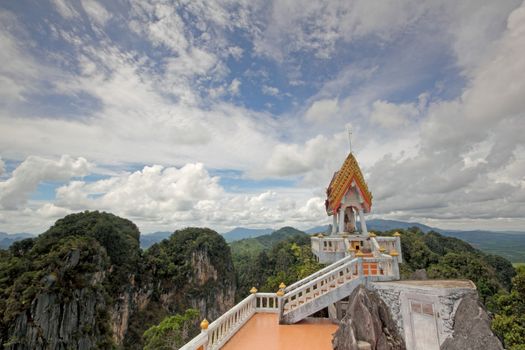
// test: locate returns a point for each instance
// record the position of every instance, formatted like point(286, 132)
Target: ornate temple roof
point(341, 182)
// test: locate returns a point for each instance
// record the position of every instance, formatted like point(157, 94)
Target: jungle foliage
point(266, 261)
point(509, 321)
point(173, 332)
point(451, 258)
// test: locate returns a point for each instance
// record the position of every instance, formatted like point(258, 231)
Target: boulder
point(472, 328)
point(344, 338)
point(367, 320)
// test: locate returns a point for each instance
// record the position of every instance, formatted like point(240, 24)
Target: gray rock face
point(58, 320)
point(472, 328)
point(344, 338)
point(367, 320)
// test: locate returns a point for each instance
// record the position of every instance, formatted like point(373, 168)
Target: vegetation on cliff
point(173, 332)
point(509, 321)
point(191, 269)
point(451, 258)
point(119, 237)
point(266, 261)
point(86, 284)
point(75, 267)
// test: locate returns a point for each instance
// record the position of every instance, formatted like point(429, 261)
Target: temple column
point(363, 222)
point(341, 219)
point(334, 223)
point(352, 219)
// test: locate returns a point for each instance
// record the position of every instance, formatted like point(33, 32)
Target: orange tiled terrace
point(263, 332)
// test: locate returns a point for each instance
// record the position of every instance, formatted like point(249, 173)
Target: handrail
point(223, 328)
point(199, 341)
point(364, 269)
point(328, 238)
point(237, 307)
point(318, 273)
point(290, 294)
point(266, 302)
point(385, 238)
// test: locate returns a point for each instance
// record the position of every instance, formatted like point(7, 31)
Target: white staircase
point(333, 283)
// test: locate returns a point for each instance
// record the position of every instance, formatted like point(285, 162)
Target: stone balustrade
point(328, 244)
point(222, 329)
point(334, 283)
point(318, 273)
point(389, 244)
point(266, 302)
point(320, 285)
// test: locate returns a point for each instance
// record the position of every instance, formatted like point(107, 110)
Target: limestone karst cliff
point(191, 269)
point(86, 284)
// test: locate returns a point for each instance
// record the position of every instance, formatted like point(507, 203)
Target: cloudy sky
point(233, 113)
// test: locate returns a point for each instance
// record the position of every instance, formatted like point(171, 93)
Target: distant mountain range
point(242, 232)
point(149, 239)
point(252, 246)
point(6, 239)
point(383, 225)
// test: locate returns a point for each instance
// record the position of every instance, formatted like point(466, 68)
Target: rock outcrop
point(367, 324)
point(471, 328)
point(85, 284)
point(68, 311)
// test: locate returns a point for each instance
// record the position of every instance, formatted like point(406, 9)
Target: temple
point(354, 257)
point(348, 197)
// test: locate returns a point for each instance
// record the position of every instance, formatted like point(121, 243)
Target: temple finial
point(349, 131)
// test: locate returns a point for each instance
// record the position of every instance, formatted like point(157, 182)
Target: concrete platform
point(263, 332)
point(467, 284)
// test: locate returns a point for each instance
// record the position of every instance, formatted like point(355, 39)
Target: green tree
point(509, 322)
point(173, 332)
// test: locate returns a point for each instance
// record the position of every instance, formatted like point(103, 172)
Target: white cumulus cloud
point(322, 110)
point(391, 115)
point(24, 180)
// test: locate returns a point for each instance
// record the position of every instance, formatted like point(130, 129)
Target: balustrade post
point(395, 264)
point(280, 295)
point(204, 329)
point(397, 235)
point(359, 256)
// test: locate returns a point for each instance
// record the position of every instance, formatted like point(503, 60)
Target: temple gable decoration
point(348, 196)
